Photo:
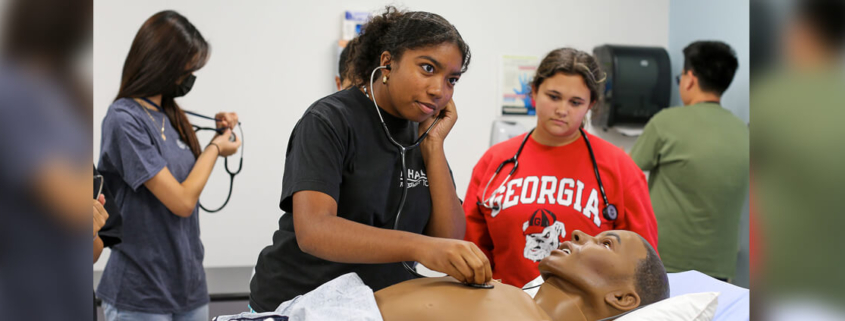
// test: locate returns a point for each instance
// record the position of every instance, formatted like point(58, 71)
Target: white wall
point(271, 59)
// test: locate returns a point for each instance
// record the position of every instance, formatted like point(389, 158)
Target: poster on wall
point(517, 73)
point(353, 21)
point(351, 26)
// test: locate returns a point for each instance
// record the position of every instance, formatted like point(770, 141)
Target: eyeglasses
point(678, 79)
point(98, 186)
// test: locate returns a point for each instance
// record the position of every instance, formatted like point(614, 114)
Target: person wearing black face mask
point(151, 159)
point(185, 86)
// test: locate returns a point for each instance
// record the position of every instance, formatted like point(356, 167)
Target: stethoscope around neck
point(225, 159)
point(402, 151)
point(609, 212)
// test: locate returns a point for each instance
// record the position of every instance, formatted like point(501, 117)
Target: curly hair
point(395, 31)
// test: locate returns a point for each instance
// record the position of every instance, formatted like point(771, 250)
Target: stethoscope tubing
point(402, 150)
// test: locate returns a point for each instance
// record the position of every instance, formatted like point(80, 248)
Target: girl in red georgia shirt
point(565, 179)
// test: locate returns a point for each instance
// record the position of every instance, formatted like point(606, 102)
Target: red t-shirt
point(553, 192)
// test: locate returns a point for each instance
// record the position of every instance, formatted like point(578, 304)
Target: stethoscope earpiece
point(494, 207)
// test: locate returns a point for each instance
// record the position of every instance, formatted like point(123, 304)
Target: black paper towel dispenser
point(638, 85)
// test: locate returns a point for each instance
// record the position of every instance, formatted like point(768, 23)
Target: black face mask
point(185, 87)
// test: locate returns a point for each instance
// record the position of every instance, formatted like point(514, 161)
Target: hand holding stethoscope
point(226, 120)
point(457, 258)
point(226, 142)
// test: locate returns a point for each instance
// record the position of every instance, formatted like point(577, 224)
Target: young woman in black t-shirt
point(344, 178)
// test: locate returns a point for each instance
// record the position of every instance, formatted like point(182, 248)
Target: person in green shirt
point(697, 157)
point(797, 163)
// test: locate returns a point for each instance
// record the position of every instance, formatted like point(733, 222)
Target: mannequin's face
point(597, 264)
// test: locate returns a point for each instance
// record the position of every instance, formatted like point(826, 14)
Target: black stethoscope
point(402, 150)
point(225, 159)
point(609, 212)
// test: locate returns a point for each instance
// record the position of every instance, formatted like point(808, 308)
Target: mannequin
point(588, 278)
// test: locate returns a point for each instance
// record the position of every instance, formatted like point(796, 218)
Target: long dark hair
point(165, 50)
point(395, 31)
point(571, 62)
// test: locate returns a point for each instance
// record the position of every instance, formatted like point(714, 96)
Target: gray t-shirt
point(158, 266)
point(44, 266)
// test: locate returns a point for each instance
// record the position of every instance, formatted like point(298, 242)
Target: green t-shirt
point(698, 159)
point(798, 154)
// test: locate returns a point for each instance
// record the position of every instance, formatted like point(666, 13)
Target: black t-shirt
point(339, 148)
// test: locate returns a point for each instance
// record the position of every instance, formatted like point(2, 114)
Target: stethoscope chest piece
point(480, 286)
point(610, 213)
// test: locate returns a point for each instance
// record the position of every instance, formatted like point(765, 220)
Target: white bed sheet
point(734, 301)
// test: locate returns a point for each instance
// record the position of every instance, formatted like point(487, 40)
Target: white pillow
point(687, 307)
